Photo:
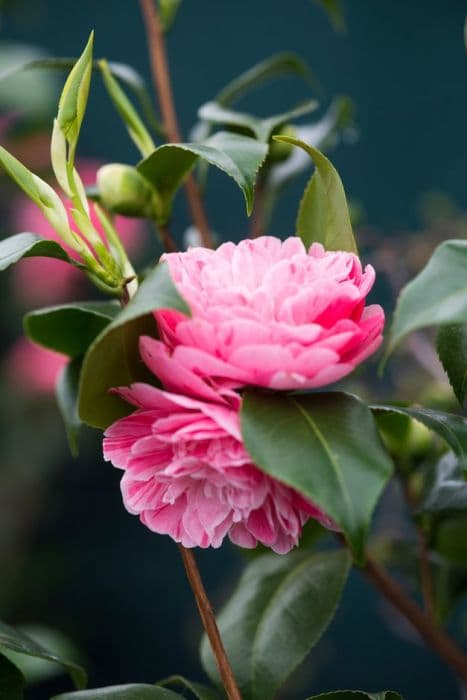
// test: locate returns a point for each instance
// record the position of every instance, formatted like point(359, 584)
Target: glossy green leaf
point(277, 66)
point(240, 157)
point(278, 612)
point(436, 296)
point(69, 328)
point(449, 426)
point(323, 215)
point(448, 487)
point(357, 695)
point(11, 680)
point(261, 128)
point(30, 245)
point(452, 351)
point(136, 129)
point(335, 13)
point(13, 640)
point(134, 691)
point(324, 445)
point(113, 358)
point(168, 11)
point(66, 392)
point(199, 690)
point(74, 97)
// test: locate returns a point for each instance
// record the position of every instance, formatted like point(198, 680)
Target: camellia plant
point(210, 372)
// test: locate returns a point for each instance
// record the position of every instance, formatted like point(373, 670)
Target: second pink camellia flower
point(269, 313)
point(264, 313)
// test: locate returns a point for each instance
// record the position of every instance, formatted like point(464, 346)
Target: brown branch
point(161, 76)
point(166, 239)
point(210, 624)
point(435, 637)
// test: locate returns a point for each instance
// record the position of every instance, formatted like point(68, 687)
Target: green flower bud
point(123, 190)
point(278, 150)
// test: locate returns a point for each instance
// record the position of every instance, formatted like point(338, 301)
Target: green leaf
point(450, 427)
point(168, 11)
point(113, 358)
point(278, 612)
point(238, 156)
point(335, 13)
point(436, 296)
point(448, 487)
point(323, 215)
point(277, 66)
point(13, 640)
point(449, 538)
point(199, 690)
point(74, 97)
point(324, 445)
point(136, 129)
point(66, 392)
point(69, 328)
point(452, 351)
point(11, 680)
point(357, 695)
point(30, 245)
point(134, 691)
point(261, 128)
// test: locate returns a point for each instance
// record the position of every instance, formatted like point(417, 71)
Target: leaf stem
point(166, 239)
point(161, 76)
point(209, 623)
point(434, 636)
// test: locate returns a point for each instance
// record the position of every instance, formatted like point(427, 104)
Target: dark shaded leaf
point(11, 680)
point(324, 445)
point(323, 215)
point(69, 328)
point(240, 157)
point(66, 392)
point(357, 695)
point(279, 611)
point(449, 538)
point(335, 13)
point(448, 487)
point(113, 358)
point(30, 245)
point(199, 690)
point(134, 691)
point(452, 351)
point(13, 640)
point(450, 427)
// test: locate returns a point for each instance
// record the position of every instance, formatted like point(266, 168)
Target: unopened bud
point(122, 190)
point(279, 150)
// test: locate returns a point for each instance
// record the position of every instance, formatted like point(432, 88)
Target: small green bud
point(279, 150)
point(123, 190)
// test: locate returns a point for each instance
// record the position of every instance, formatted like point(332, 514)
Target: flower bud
point(124, 191)
point(279, 150)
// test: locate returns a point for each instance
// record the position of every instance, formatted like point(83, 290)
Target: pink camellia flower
point(39, 281)
point(35, 369)
point(271, 314)
point(187, 473)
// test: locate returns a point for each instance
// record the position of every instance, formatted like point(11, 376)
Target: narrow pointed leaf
point(74, 97)
point(451, 345)
point(449, 426)
point(261, 128)
point(323, 216)
point(30, 245)
point(240, 157)
point(357, 695)
point(168, 11)
point(113, 358)
point(11, 680)
point(135, 691)
point(66, 392)
point(324, 445)
point(69, 328)
point(13, 640)
point(335, 13)
point(437, 296)
point(278, 612)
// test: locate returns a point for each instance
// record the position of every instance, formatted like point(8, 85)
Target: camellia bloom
point(39, 281)
point(187, 473)
point(269, 313)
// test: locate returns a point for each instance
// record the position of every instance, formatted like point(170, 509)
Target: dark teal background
point(108, 582)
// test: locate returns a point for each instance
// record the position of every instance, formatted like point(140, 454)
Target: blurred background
point(76, 569)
